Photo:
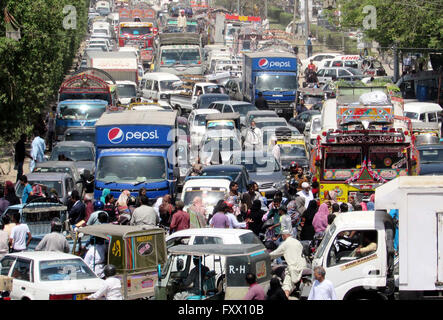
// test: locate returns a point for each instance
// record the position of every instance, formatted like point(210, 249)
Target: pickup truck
point(184, 102)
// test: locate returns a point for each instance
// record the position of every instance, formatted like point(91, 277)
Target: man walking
point(144, 215)
point(17, 239)
point(180, 219)
point(78, 209)
point(20, 154)
point(54, 241)
point(27, 189)
point(50, 125)
point(306, 193)
point(292, 250)
point(38, 148)
point(261, 102)
point(254, 138)
point(255, 291)
point(322, 289)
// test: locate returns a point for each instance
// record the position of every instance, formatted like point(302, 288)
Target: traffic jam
point(198, 154)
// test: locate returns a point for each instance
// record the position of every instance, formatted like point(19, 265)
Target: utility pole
point(307, 27)
point(238, 7)
point(266, 9)
point(295, 16)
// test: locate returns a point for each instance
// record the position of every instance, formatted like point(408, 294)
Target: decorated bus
point(363, 143)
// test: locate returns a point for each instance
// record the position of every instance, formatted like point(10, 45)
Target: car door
point(344, 74)
point(147, 90)
point(227, 108)
point(22, 286)
point(155, 89)
point(321, 75)
point(331, 74)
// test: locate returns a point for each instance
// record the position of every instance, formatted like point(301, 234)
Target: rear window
point(249, 238)
point(70, 269)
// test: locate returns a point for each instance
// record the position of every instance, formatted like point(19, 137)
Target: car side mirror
point(180, 264)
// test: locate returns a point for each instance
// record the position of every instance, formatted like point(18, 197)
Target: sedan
point(431, 159)
point(332, 74)
point(49, 275)
point(81, 152)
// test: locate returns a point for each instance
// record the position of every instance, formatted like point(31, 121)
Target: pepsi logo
point(115, 135)
point(263, 63)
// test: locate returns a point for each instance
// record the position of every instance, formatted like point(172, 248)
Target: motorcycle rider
point(292, 250)
point(111, 288)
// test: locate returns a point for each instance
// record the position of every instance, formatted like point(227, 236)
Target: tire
point(220, 284)
point(179, 110)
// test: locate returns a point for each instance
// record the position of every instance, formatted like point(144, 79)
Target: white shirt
point(111, 290)
point(233, 222)
point(322, 291)
point(254, 137)
point(181, 21)
point(308, 197)
point(18, 234)
point(99, 256)
point(276, 152)
point(157, 205)
point(38, 147)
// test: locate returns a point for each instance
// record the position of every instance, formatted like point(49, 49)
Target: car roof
point(207, 181)
point(75, 144)
point(205, 111)
point(261, 112)
point(208, 232)
point(43, 255)
point(160, 76)
point(47, 176)
point(221, 95)
point(217, 249)
point(217, 167)
point(56, 164)
point(235, 102)
point(419, 107)
point(266, 119)
point(125, 82)
point(225, 133)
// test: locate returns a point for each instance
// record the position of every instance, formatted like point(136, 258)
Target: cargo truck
point(122, 66)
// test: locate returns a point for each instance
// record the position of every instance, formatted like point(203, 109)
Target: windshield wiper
point(136, 184)
point(110, 182)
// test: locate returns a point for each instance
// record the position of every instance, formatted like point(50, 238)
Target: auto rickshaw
point(228, 266)
point(136, 252)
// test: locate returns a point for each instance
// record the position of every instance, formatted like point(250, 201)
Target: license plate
point(81, 296)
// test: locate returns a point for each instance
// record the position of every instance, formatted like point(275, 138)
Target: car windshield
point(243, 109)
point(57, 185)
point(274, 82)
point(72, 153)
point(312, 100)
point(81, 111)
point(274, 123)
point(267, 164)
point(431, 155)
point(210, 196)
point(66, 269)
point(136, 30)
point(169, 85)
point(126, 90)
point(292, 150)
point(80, 136)
point(411, 115)
point(200, 120)
point(206, 101)
point(180, 56)
point(249, 238)
point(217, 173)
point(355, 72)
point(131, 169)
point(221, 124)
point(214, 89)
point(222, 144)
point(53, 169)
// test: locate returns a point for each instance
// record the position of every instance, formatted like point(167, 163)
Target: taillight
point(60, 297)
point(129, 283)
point(162, 63)
point(199, 62)
point(6, 298)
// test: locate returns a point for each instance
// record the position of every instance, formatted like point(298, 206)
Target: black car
point(204, 100)
point(238, 174)
point(431, 159)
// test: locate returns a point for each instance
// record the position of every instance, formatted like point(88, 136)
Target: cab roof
point(135, 117)
point(106, 230)
point(217, 249)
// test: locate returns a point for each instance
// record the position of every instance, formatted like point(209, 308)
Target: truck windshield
point(131, 169)
point(386, 157)
point(276, 82)
point(180, 56)
point(126, 90)
point(136, 30)
point(210, 196)
point(292, 150)
point(82, 111)
point(411, 115)
point(72, 153)
point(431, 155)
point(343, 157)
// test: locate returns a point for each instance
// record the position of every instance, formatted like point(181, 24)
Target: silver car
point(81, 152)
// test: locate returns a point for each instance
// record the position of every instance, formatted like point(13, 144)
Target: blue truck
point(136, 149)
point(275, 75)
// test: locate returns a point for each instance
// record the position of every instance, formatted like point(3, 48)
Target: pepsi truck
point(275, 75)
point(136, 149)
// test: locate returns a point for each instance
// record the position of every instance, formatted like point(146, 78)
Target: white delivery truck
point(122, 66)
point(357, 250)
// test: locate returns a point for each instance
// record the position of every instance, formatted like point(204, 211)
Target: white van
point(158, 85)
point(101, 29)
point(423, 111)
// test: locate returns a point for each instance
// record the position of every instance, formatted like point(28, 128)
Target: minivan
point(158, 85)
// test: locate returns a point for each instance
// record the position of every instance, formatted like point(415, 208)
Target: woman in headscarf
point(255, 216)
point(10, 194)
point(371, 204)
point(122, 202)
point(105, 192)
point(320, 221)
point(197, 213)
point(307, 231)
point(275, 291)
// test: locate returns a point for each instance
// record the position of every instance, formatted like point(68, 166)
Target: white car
point(126, 90)
point(312, 130)
point(317, 58)
point(224, 142)
point(197, 125)
point(48, 275)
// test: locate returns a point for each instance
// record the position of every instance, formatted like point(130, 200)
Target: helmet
point(293, 165)
point(56, 225)
point(98, 205)
point(109, 270)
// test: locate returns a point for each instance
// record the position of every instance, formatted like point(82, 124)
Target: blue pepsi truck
point(275, 75)
point(136, 149)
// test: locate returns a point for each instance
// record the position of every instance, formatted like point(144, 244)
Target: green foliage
point(285, 18)
point(32, 69)
point(274, 13)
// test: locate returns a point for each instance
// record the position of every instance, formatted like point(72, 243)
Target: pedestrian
point(371, 203)
point(165, 210)
point(320, 221)
point(292, 250)
point(315, 187)
point(17, 239)
point(144, 215)
point(38, 148)
point(141, 192)
point(110, 208)
point(94, 218)
point(4, 204)
point(255, 291)
point(7, 224)
point(249, 197)
point(182, 21)
point(306, 193)
point(275, 291)
point(20, 154)
point(220, 220)
point(253, 138)
point(4, 241)
point(307, 230)
point(273, 214)
point(300, 178)
point(300, 107)
point(95, 258)
point(105, 192)
point(344, 207)
point(322, 289)
point(233, 195)
point(50, 126)
point(276, 152)
point(112, 287)
point(197, 214)
point(335, 208)
point(255, 223)
point(122, 202)
point(180, 219)
point(78, 209)
point(27, 189)
point(233, 222)
point(261, 102)
point(54, 241)
point(89, 206)
point(10, 194)
point(88, 182)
